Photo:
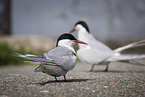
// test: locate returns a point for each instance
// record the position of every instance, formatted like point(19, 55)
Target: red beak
point(78, 41)
point(72, 30)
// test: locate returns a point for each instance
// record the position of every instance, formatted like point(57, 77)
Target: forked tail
point(131, 45)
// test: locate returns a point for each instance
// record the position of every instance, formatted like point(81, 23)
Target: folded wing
point(60, 56)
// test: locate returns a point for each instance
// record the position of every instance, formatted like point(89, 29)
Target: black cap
point(84, 24)
point(65, 36)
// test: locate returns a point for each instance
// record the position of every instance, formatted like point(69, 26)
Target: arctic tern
point(97, 53)
point(58, 61)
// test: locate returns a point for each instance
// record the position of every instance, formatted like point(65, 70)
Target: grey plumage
point(59, 56)
point(63, 57)
point(58, 61)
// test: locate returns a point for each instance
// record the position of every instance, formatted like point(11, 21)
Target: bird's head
point(80, 25)
point(67, 40)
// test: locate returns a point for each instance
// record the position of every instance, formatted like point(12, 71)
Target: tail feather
point(35, 62)
point(43, 63)
point(38, 69)
point(131, 45)
point(37, 59)
point(33, 57)
point(133, 62)
point(122, 57)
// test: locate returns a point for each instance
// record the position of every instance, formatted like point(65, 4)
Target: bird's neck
point(69, 47)
point(83, 35)
point(67, 44)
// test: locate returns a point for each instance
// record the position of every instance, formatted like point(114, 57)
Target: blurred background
point(32, 26)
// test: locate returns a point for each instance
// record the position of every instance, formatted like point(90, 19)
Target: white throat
point(66, 43)
point(83, 35)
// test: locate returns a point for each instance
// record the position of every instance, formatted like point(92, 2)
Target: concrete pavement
point(121, 80)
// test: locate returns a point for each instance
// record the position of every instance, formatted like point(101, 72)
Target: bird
point(58, 61)
point(97, 53)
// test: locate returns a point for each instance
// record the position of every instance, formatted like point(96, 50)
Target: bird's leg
point(56, 79)
point(65, 78)
point(107, 67)
point(92, 68)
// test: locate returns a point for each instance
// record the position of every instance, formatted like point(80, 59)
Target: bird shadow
point(116, 71)
point(61, 81)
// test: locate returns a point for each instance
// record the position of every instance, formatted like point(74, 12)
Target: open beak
point(72, 30)
point(78, 41)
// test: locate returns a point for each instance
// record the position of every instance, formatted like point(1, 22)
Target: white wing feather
point(131, 45)
point(120, 57)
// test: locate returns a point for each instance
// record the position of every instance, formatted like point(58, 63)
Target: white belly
point(55, 71)
point(92, 55)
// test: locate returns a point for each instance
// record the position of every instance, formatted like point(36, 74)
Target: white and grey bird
point(58, 61)
point(97, 53)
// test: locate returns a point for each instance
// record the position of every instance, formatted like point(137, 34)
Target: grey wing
point(66, 62)
point(31, 57)
point(60, 56)
point(58, 52)
point(63, 57)
point(37, 59)
point(48, 57)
